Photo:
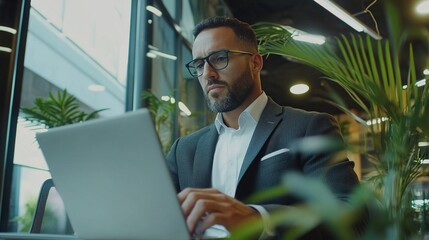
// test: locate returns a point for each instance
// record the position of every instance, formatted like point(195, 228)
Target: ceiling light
point(305, 37)
point(419, 83)
point(422, 7)
point(5, 49)
point(96, 88)
point(154, 10)
point(346, 17)
point(165, 98)
point(8, 29)
point(423, 144)
point(426, 72)
point(151, 55)
point(310, 38)
point(376, 121)
point(154, 52)
point(168, 99)
point(160, 54)
point(178, 28)
point(185, 110)
point(299, 88)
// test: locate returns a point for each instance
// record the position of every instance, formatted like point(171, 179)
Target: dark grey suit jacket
point(191, 157)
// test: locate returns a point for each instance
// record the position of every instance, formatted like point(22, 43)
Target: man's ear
point(257, 62)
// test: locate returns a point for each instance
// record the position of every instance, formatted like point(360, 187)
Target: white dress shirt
point(232, 146)
point(231, 149)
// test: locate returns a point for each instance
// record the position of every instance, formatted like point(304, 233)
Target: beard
point(237, 93)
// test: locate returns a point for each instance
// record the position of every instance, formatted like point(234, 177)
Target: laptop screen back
point(113, 178)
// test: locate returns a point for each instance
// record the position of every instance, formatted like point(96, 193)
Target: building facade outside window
point(71, 48)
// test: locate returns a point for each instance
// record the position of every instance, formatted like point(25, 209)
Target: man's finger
point(185, 192)
point(191, 197)
point(201, 210)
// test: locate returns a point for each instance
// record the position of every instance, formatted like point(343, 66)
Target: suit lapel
point(270, 118)
point(203, 161)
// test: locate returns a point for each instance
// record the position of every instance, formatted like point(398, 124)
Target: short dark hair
point(242, 30)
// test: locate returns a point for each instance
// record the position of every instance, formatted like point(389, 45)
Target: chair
point(50, 215)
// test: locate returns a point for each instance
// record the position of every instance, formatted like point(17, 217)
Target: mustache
point(211, 82)
point(215, 81)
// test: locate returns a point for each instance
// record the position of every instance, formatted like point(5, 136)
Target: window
point(68, 47)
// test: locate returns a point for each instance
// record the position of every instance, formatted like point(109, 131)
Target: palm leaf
point(57, 110)
point(370, 72)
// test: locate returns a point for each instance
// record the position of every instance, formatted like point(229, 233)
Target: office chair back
point(50, 215)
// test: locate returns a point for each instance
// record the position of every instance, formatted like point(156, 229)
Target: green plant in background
point(57, 110)
point(26, 219)
point(50, 221)
point(162, 115)
point(161, 112)
point(369, 70)
point(53, 111)
point(345, 128)
point(321, 207)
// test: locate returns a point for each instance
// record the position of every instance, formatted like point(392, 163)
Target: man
point(247, 149)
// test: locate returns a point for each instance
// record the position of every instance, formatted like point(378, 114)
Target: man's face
point(228, 88)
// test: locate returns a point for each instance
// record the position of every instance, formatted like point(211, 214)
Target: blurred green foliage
point(56, 110)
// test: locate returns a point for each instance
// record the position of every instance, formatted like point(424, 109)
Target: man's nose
point(209, 72)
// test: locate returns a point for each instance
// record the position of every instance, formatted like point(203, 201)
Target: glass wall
point(169, 51)
point(68, 48)
point(71, 48)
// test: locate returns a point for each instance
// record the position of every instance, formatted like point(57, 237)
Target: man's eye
point(199, 64)
point(220, 58)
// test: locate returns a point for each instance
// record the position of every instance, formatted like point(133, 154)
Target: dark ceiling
point(279, 74)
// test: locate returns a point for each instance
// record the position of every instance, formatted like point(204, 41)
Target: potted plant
point(54, 111)
point(370, 71)
point(57, 110)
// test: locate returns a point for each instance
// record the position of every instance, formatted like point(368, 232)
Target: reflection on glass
point(103, 36)
point(68, 47)
point(420, 205)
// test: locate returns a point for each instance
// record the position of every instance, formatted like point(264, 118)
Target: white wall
point(52, 56)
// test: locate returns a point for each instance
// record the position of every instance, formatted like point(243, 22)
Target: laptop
point(113, 178)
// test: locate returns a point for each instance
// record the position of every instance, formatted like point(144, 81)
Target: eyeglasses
point(217, 60)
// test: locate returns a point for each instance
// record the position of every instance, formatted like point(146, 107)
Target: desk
point(35, 236)
point(41, 236)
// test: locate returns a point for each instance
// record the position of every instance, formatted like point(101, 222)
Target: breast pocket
point(274, 154)
point(272, 168)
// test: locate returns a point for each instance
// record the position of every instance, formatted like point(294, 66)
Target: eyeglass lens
point(217, 60)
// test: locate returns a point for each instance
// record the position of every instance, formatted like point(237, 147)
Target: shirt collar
point(254, 111)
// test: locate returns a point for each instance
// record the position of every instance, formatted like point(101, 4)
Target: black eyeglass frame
point(206, 59)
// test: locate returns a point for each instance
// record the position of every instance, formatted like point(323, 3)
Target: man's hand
point(211, 207)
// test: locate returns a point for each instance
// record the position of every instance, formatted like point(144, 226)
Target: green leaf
point(56, 110)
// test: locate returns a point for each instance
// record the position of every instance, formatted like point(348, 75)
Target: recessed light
point(376, 121)
point(422, 7)
point(154, 10)
point(151, 55)
point(5, 49)
point(185, 110)
point(168, 99)
point(419, 83)
point(426, 72)
point(299, 88)
point(8, 29)
point(96, 88)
